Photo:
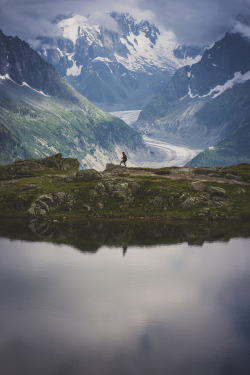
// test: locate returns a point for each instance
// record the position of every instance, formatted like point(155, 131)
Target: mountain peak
point(24, 66)
point(115, 69)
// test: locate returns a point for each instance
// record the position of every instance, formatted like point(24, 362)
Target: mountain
point(115, 69)
point(41, 114)
point(235, 147)
point(206, 102)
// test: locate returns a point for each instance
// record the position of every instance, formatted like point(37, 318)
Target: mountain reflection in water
point(176, 303)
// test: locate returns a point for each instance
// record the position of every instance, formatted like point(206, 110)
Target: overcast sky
point(193, 21)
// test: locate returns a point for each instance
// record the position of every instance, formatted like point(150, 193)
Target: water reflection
point(90, 236)
point(166, 307)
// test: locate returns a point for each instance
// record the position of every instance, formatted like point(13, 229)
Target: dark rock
point(86, 207)
point(21, 202)
point(28, 187)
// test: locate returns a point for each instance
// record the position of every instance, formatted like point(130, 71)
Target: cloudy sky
point(193, 21)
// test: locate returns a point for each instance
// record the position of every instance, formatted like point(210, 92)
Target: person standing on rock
point(124, 159)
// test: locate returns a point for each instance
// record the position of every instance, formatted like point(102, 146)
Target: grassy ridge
point(53, 195)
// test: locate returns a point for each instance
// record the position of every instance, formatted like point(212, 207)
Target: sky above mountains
point(192, 21)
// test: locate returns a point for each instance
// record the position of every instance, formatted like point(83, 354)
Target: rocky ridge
point(220, 193)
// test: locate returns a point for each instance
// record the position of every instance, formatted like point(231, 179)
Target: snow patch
point(39, 92)
point(219, 89)
point(103, 59)
point(7, 77)
point(161, 56)
point(23, 84)
point(60, 52)
point(74, 70)
point(72, 28)
point(238, 78)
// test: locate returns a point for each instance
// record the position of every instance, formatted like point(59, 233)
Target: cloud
point(198, 21)
point(193, 21)
point(103, 19)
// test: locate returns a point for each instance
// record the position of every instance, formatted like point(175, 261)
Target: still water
point(117, 298)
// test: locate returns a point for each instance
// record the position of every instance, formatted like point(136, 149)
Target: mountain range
point(115, 69)
point(207, 105)
point(41, 114)
point(202, 101)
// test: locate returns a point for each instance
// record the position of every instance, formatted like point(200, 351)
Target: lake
point(124, 298)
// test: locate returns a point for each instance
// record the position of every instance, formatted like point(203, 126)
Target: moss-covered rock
point(48, 203)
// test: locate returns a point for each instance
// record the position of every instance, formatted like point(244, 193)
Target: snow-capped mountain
point(119, 69)
point(206, 102)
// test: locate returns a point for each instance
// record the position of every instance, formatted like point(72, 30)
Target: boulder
point(62, 178)
point(156, 201)
point(197, 186)
point(189, 203)
point(28, 187)
point(88, 175)
point(217, 191)
point(50, 202)
point(120, 191)
point(241, 191)
point(114, 168)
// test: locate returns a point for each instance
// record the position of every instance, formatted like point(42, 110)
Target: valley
point(161, 153)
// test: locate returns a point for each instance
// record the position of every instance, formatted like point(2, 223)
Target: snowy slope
point(111, 67)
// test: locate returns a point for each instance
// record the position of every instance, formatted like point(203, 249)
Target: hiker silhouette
point(123, 159)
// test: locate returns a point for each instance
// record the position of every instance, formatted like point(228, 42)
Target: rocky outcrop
point(56, 162)
point(197, 186)
point(123, 192)
point(88, 175)
point(48, 203)
point(114, 168)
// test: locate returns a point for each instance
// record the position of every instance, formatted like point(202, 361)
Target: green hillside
point(234, 149)
point(33, 125)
